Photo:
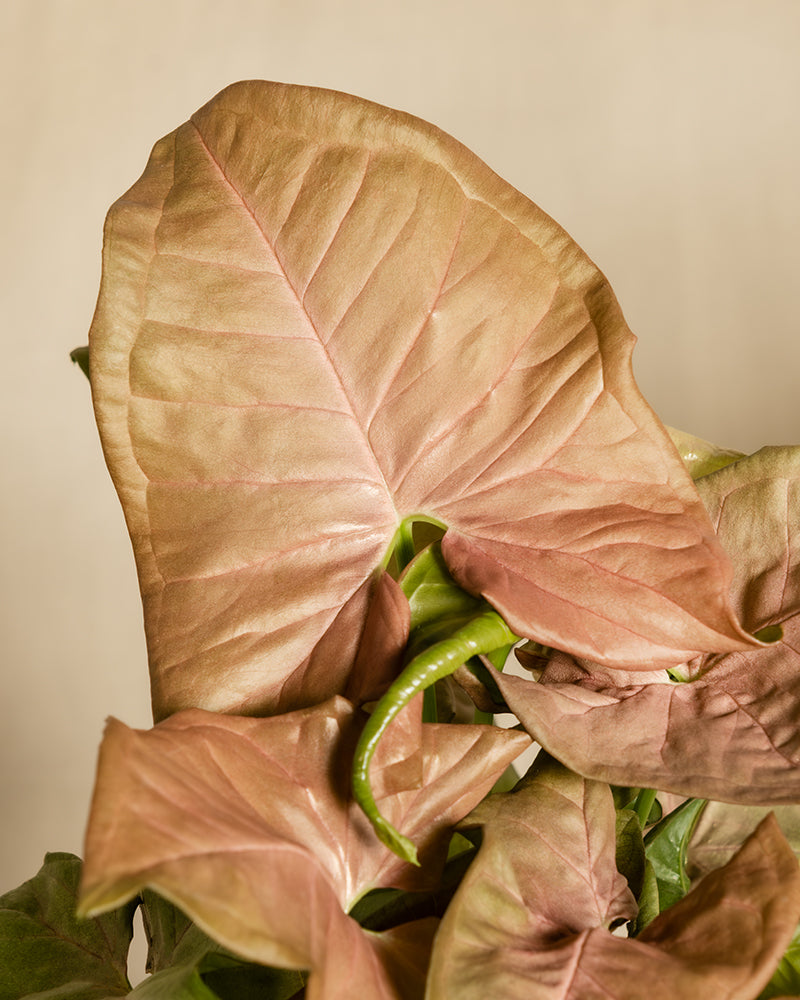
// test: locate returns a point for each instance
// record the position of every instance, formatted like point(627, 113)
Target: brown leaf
point(528, 922)
point(247, 825)
point(319, 316)
point(731, 735)
point(754, 505)
point(383, 643)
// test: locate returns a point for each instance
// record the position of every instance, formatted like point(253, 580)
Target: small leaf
point(666, 845)
point(630, 856)
point(47, 951)
point(171, 936)
point(701, 457)
point(80, 357)
point(648, 900)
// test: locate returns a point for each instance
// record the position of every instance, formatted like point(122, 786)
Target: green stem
point(644, 805)
point(486, 632)
point(404, 544)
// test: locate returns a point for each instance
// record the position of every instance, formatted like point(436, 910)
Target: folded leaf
point(731, 734)
point(754, 505)
point(318, 317)
point(46, 951)
point(723, 826)
point(247, 825)
point(529, 920)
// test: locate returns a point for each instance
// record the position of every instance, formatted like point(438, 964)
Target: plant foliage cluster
point(371, 417)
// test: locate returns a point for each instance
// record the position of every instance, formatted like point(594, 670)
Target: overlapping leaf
point(732, 734)
point(529, 920)
point(46, 951)
point(319, 316)
point(247, 825)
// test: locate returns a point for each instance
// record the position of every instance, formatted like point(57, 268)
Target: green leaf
point(80, 357)
point(172, 937)
point(181, 982)
point(438, 605)
point(630, 849)
point(46, 951)
point(648, 901)
point(665, 847)
point(177, 947)
point(246, 981)
point(701, 457)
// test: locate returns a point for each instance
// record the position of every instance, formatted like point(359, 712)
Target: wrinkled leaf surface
point(319, 316)
point(732, 734)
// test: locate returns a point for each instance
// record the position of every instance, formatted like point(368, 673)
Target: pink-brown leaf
point(248, 826)
point(528, 922)
point(319, 316)
point(731, 734)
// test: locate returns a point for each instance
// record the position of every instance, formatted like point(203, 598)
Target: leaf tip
point(395, 841)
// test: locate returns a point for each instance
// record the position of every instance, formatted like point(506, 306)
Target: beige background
point(663, 134)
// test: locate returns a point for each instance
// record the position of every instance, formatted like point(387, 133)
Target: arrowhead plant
point(371, 418)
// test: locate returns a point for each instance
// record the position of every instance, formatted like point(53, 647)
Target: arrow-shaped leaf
point(247, 825)
point(529, 921)
point(319, 317)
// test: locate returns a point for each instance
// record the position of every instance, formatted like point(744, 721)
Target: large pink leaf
point(319, 316)
point(732, 734)
point(529, 920)
point(247, 825)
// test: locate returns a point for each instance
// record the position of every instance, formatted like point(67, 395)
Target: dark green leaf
point(665, 847)
point(648, 901)
point(80, 357)
point(383, 909)
point(255, 982)
point(630, 849)
point(46, 951)
point(171, 936)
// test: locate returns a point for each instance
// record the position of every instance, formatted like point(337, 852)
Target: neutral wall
point(663, 134)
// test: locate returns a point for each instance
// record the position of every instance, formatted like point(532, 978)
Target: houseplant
point(372, 421)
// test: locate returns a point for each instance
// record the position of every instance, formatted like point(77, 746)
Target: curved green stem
point(486, 632)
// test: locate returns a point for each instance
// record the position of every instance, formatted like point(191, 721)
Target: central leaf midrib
point(305, 312)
